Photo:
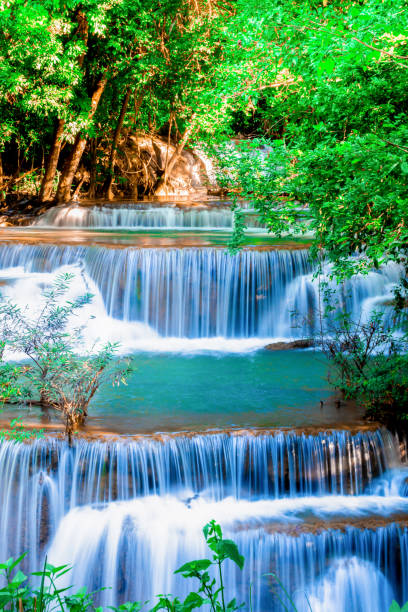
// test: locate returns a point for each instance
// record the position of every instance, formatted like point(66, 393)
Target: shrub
point(56, 376)
point(369, 362)
point(18, 594)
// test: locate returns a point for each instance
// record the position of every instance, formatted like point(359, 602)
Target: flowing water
point(213, 216)
point(191, 298)
point(125, 513)
point(325, 511)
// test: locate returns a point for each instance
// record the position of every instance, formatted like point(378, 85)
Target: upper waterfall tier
point(191, 293)
point(208, 217)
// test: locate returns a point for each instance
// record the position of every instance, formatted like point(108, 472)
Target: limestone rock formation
point(146, 165)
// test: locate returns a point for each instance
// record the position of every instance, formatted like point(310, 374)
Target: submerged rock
point(293, 344)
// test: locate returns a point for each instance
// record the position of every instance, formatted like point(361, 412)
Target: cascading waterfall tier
point(355, 569)
point(126, 514)
point(113, 508)
point(193, 293)
point(144, 217)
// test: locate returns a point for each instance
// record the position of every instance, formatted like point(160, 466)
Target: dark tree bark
point(52, 163)
point(107, 188)
point(177, 153)
point(93, 146)
point(82, 32)
point(2, 193)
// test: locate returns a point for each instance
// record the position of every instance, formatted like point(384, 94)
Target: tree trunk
point(93, 146)
point(107, 188)
point(72, 163)
point(177, 153)
point(52, 163)
point(2, 193)
point(75, 196)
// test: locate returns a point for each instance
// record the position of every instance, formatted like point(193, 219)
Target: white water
point(185, 300)
point(214, 217)
point(350, 584)
point(160, 533)
point(128, 514)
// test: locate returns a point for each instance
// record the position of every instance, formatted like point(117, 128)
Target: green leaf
point(18, 579)
point(327, 66)
point(193, 600)
point(229, 549)
point(192, 567)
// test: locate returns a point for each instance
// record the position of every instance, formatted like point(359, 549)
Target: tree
point(336, 160)
point(56, 373)
point(100, 55)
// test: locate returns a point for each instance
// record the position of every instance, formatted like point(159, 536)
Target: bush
point(385, 392)
point(369, 363)
point(56, 376)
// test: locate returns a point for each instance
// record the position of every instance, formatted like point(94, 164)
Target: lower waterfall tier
point(136, 546)
point(127, 514)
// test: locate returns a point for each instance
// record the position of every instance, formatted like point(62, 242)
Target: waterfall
point(143, 216)
point(112, 508)
point(187, 293)
point(136, 549)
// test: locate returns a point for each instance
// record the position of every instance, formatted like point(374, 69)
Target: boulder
point(141, 161)
point(293, 344)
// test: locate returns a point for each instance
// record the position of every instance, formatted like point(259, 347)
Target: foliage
point(18, 432)
point(60, 377)
point(369, 362)
point(209, 592)
point(394, 607)
point(67, 68)
point(71, 380)
point(336, 160)
point(10, 390)
point(19, 595)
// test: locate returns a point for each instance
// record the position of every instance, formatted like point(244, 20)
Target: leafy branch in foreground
point(18, 595)
point(210, 592)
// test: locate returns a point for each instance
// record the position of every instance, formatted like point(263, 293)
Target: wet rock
point(294, 344)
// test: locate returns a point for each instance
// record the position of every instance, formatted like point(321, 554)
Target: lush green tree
point(336, 160)
point(69, 71)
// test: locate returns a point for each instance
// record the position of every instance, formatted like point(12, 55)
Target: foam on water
point(185, 300)
point(350, 584)
point(126, 515)
point(212, 217)
point(160, 533)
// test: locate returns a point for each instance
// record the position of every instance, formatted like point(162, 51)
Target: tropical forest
point(204, 305)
